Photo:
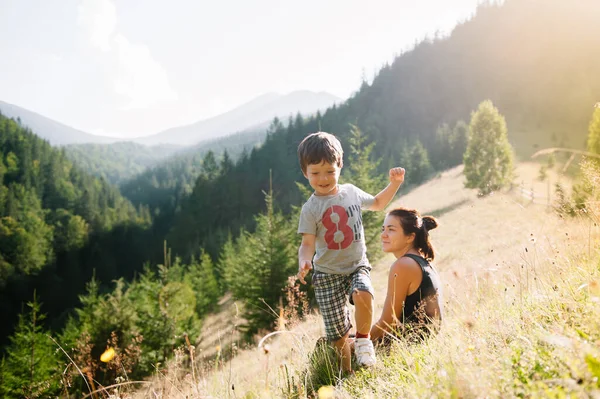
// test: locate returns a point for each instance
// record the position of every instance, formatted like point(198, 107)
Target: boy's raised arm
point(385, 196)
point(305, 255)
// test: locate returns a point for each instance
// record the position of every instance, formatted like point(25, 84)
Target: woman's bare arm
point(403, 273)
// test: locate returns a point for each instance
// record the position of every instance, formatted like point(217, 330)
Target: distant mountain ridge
point(252, 115)
point(260, 110)
point(55, 132)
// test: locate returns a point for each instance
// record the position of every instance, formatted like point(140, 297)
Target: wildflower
point(108, 355)
point(326, 392)
point(594, 287)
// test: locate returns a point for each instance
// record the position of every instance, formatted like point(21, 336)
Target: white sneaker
point(364, 351)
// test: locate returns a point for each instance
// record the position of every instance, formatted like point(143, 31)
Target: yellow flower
point(108, 355)
point(326, 392)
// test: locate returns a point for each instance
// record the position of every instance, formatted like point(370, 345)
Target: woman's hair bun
point(429, 222)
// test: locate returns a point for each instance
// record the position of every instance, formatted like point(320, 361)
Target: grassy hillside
point(522, 314)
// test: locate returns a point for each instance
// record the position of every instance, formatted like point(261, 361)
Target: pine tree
point(157, 329)
point(489, 156)
point(70, 231)
point(210, 166)
point(458, 142)
point(226, 256)
point(3, 170)
point(586, 191)
point(420, 168)
point(30, 368)
point(449, 146)
point(405, 161)
point(201, 277)
point(226, 163)
point(593, 142)
point(441, 153)
point(257, 270)
point(362, 171)
point(25, 238)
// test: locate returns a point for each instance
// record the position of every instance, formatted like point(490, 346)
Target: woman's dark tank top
point(414, 304)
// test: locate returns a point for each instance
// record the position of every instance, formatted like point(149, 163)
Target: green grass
point(544, 342)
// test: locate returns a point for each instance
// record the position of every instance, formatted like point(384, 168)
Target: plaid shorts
point(332, 292)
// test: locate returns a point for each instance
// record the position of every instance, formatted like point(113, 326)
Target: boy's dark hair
point(412, 222)
point(318, 147)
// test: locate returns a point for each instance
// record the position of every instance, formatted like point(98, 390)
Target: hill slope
point(55, 132)
point(497, 292)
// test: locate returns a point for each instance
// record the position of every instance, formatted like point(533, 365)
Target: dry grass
point(522, 312)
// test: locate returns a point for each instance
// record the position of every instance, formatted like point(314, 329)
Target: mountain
point(55, 132)
point(126, 163)
point(119, 161)
point(260, 110)
point(253, 115)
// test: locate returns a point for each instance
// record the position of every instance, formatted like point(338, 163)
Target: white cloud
point(99, 19)
point(55, 57)
point(139, 78)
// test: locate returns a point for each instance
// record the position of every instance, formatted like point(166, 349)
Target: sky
point(130, 68)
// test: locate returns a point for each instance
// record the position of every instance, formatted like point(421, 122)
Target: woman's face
point(393, 238)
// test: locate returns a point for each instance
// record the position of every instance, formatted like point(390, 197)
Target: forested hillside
point(120, 161)
point(135, 166)
point(58, 225)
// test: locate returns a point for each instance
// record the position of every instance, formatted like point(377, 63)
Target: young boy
point(331, 225)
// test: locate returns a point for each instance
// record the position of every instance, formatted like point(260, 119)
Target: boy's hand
point(397, 175)
point(303, 269)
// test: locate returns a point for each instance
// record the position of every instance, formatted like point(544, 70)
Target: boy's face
point(323, 178)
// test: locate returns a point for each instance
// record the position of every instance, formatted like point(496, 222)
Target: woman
point(413, 304)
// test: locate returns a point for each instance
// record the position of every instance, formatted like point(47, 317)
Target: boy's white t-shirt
point(336, 221)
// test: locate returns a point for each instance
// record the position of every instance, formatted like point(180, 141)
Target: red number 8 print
point(341, 226)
